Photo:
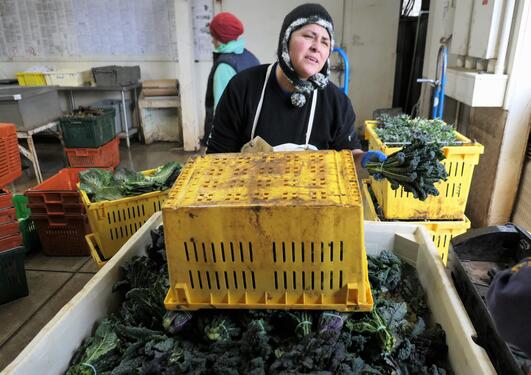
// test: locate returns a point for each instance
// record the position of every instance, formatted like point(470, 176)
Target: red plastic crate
point(10, 165)
point(107, 155)
point(6, 199)
point(10, 242)
point(63, 236)
point(58, 195)
point(10, 229)
point(8, 215)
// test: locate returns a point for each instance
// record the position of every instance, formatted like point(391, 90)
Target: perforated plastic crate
point(10, 165)
point(106, 156)
point(6, 199)
point(113, 222)
point(268, 230)
point(441, 231)
point(10, 242)
point(63, 236)
point(68, 77)
point(89, 131)
point(450, 204)
point(31, 79)
point(13, 284)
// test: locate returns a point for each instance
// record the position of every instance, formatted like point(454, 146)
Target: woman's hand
point(372, 156)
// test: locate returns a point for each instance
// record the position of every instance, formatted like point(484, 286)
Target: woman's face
point(309, 48)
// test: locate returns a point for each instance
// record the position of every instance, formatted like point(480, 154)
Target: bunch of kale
point(101, 184)
point(142, 338)
point(402, 128)
point(416, 167)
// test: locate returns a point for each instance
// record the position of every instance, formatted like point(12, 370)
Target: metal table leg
point(125, 120)
point(72, 103)
point(34, 159)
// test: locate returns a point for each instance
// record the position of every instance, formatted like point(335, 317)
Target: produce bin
point(8, 215)
point(6, 199)
point(57, 194)
point(106, 156)
point(10, 242)
point(267, 230)
point(471, 258)
point(95, 250)
point(13, 284)
point(113, 75)
point(31, 79)
point(28, 230)
point(113, 222)
point(10, 165)
point(68, 78)
point(450, 204)
point(9, 229)
point(76, 321)
point(441, 231)
point(119, 124)
point(30, 235)
point(29, 107)
point(88, 131)
point(63, 236)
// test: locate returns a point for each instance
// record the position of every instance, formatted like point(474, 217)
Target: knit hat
point(303, 15)
point(225, 27)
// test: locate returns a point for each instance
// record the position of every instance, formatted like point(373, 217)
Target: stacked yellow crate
point(444, 215)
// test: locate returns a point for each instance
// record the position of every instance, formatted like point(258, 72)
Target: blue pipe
point(344, 57)
point(438, 96)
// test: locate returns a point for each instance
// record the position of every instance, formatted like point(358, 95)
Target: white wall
point(367, 28)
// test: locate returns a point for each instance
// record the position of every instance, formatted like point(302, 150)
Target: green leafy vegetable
point(101, 185)
point(416, 168)
point(142, 338)
point(402, 128)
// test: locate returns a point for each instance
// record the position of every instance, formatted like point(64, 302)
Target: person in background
point(230, 57)
point(290, 105)
point(509, 303)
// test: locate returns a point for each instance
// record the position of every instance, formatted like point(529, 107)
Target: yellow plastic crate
point(94, 248)
point(113, 222)
point(441, 231)
point(450, 204)
point(31, 79)
point(268, 230)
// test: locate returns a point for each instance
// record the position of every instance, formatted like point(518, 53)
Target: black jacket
point(279, 122)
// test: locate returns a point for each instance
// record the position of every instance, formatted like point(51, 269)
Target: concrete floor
point(53, 281)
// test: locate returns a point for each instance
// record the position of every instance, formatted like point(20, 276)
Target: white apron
point(257, 144)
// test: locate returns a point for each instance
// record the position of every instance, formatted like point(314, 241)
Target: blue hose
point(438, 96)
point(344, 57)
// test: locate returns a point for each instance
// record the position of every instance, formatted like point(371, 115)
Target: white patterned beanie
point(303, 15)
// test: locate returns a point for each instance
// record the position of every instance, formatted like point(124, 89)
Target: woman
point(290, 105)
point(230, 57)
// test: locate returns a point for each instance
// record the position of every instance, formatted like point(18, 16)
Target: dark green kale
point(415, 168)
point(143, 338)
point(101, 185)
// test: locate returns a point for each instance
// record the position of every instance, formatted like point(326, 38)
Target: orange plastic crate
point(63, 236)
point(107, 155)
point(8, 215)
point(6, 199)
point(57, 195)
point(10, 242)
point(10, 165)
point(9, 229)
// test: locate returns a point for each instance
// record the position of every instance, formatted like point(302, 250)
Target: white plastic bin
point(51, 350)
point(69, 78)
